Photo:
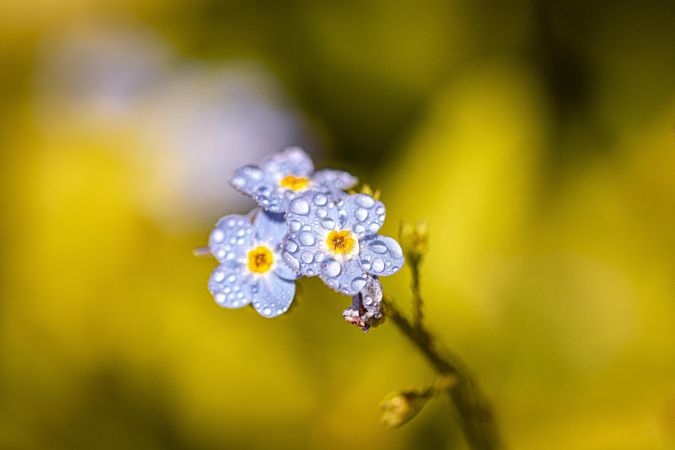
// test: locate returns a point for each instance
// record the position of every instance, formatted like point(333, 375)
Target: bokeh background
point(537, 138)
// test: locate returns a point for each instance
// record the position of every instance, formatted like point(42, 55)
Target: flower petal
point(274, 296)
point(334, 179)
point(345, 277)
point(270, 228)
point(290, 161)
point(283, 270)
point(380, 255)
point(231, 286)
point(365, 215)
point(231, 238)
point(309, 217)
point(250, 179)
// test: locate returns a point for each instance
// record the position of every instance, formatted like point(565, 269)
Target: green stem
point(418, 312)
point(474, 411)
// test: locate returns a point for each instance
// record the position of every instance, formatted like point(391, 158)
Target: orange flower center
point(294, 183)
point(260, 259)
point(341, 242)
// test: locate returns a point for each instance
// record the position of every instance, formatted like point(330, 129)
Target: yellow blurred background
point(537, 138)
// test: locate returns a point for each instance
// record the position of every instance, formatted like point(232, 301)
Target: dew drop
point(332, 269)
point(320, 199)
point(378, 247)
point(267, 311)
point(307, 257)
point(300, 206)
point(292, 261)
point(361, 214)
point(220, 298)
point(218, 236)
point(328, 224)
point(306, 238)
point(358, 283)
point(378, 265)
point(365, 200)
point(291, 246)
point(219, 276)
point(294, 225)
point(373, 227)
point(253, 172)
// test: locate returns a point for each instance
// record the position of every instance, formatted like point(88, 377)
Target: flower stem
point(418, 311)
point(474, 411)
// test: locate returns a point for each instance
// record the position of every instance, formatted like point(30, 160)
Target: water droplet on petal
point(294, 225)
point(373, 227)
point(365, 200)
point(219, 276)
point(358, 283)
point(300, 206)
point(267, 311)
point(292, 261)
point(378, 265)
point(307, 257)
point(291, 246)
point(320, 199)
point(306, 238)
point(378, 247)
point(332, 269)
point(217, 236)
point(328, 224)
point(361, 214)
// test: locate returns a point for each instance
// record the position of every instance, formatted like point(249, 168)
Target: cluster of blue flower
point(307, 225)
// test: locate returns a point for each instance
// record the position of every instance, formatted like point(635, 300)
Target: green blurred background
point(536, 137)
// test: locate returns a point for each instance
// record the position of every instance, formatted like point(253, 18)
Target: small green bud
point(415, 239)
point(399, 408)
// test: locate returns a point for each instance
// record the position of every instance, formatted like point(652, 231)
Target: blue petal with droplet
point(365, 215)
point(231, 238)
point(380, 255)
point(230, 286)
point(273, 296)
point(270, 228)
point(310, 217)
point(346, 277)
point(290, 161)
point(334, 179)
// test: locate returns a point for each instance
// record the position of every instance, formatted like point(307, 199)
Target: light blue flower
point(283, 176)
point(336, 239)
point(251, 270)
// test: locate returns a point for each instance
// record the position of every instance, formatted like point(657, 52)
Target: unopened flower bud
point(401, 407)
point(415, 239)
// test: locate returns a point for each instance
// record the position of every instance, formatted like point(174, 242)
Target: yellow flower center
point(260, 259)
point(294, 183)
point(341, 242)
